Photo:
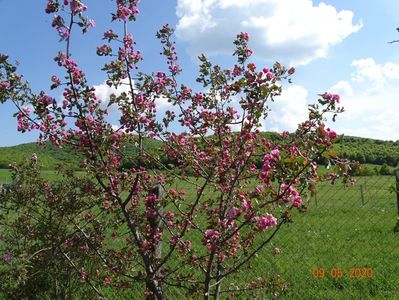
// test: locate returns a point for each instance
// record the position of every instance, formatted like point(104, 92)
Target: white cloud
point(377, 76)
point(288, 110)
point(370, 111)
point(342, 88)
point(294, 31)
point(162, 102)
point(103, 92)
point(371, 106)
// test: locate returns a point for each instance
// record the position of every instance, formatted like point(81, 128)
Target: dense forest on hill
point(364, 150)
point(369, 150)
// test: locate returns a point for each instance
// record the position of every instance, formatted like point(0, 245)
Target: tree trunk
point(155, 288)
point(152, 283)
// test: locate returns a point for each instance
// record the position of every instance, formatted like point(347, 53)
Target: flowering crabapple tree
point(156, 234)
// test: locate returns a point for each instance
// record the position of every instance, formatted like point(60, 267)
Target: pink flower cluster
point(265, 222)
point(288, 193)
point(45, 100)
point(4, 85)
point(23, 120)
point(210, 239)
point(243, 36)
point(52, 6)
point(268, 161)
point(331, 97)
point(126, 9)
point(110, 35)
point(104, 50)
point(71, 66)
point(331, 133)
point(77, 6)
point(326, 136)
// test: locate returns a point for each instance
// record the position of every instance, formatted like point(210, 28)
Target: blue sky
point(337, 46)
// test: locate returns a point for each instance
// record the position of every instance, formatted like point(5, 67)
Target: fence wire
point(343, 247)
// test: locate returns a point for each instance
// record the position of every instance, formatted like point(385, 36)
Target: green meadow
point(343, 247)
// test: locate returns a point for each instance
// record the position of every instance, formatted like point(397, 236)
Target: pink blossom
point(237, 71)
point(266, 221)
point(172, 192)
point(264, 175)
point(51, 7)
point(182, 140)
point(107, 280)
point(297, 201)
point(211, 234)
point(74, 6)
point(4, 85)
point(144, 119)
point(277, 250)
point(104, 50)
point(233, 213)
point(55, 79)
point(110, 35)
point(124, 12)
point(293, 191)
point(275, 154)
point(260, 188)
point(246, 204)
point(331, 97)
point(331, 133)
point(243, 36)
point(336, 98)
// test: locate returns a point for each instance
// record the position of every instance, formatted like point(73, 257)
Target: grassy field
point(346, 234)
point(339, 233)
point(5, 175)
point(343, 234)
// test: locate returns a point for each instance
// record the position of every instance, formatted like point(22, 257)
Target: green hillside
point(369, 151)
point(49, 155)
point(364, 150)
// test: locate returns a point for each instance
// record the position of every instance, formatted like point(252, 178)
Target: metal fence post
point(397, 189)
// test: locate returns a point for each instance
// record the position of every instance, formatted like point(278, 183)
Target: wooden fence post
point(156, 222)
point(362, 193)
point(397, 189)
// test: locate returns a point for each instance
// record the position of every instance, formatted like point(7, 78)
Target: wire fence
point(343, 247)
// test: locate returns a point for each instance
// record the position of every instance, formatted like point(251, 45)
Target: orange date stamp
point(336, 273)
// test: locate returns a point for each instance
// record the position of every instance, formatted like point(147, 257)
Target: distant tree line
point(364, 150)
point(369, 151)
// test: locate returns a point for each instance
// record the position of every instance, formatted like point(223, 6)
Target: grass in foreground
point(344, 229)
